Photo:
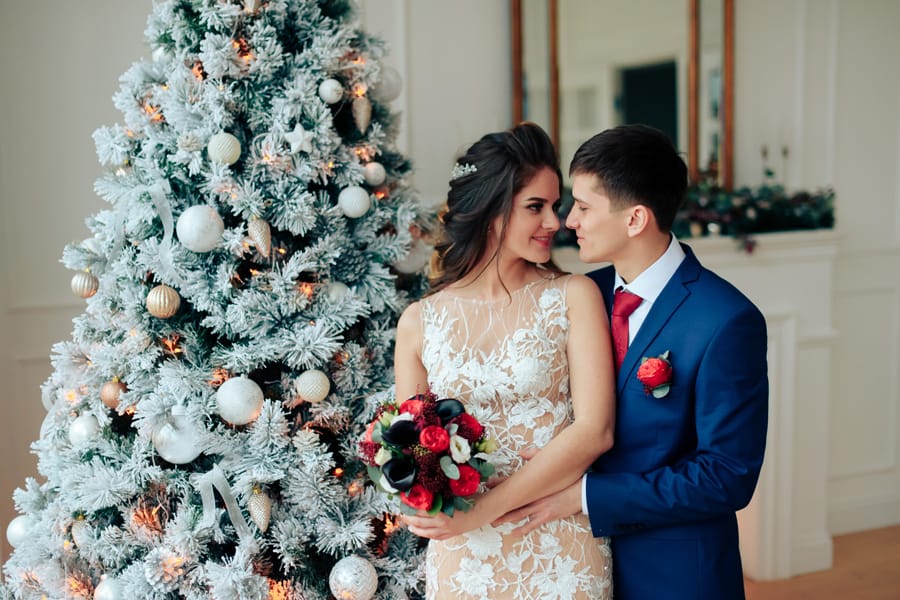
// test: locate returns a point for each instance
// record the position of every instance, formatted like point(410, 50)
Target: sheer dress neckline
point(449, 293)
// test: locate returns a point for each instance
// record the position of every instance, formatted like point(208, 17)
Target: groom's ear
point(639, 219)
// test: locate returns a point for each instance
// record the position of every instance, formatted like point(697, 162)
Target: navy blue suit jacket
point(682, 465)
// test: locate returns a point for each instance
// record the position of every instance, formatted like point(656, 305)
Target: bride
point(526, 348)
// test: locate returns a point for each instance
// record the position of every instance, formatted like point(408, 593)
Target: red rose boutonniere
point(656, 375)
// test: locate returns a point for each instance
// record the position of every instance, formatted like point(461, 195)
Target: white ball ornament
point(85, 284)
point(82, 429)
point(109, 589)
point(177, 441)
point(239, 400)
point(18, 530)
point(415, 260)
point(353, 578)
point(224, 148)
point(390, 85)
point(163, 302)
point(200, 228)
point(354, 201)
point(331, 91)
point(312, 386)
point(374, 173)
point(336, 290)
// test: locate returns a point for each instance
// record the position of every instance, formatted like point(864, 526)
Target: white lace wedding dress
point(506, 361)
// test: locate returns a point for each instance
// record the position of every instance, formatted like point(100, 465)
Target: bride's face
point(532, 221)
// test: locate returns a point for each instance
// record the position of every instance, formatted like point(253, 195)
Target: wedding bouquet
point(429, 451)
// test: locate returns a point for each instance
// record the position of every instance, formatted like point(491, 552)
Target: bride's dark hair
point(485, 180)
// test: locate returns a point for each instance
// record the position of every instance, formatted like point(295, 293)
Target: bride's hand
point(440, 526)
point(560, 505)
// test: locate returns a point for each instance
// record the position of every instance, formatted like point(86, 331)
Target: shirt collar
point(650, 283)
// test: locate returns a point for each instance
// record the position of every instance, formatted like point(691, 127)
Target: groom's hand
point(560, 505)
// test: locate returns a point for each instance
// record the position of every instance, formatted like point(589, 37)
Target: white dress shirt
point(648, 285)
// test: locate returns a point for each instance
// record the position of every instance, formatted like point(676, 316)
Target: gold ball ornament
point(390, 85)
point(109, 393)
point(331, 91)
point(362, 113)
point(259, 505)
point(261, 235)
point(354, 201)
point(312, 386)
point(163, 302)
point(85, 284)
point(374, 173)
point(353, 578)
point(224, 148)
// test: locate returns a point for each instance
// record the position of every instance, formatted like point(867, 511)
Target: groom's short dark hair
point(636, 164)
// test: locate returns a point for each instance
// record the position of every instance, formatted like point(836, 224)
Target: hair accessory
point(461, 170)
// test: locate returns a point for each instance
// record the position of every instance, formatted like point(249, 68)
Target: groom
point(689, 439)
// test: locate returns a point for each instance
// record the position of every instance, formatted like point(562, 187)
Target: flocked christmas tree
point(241, 294)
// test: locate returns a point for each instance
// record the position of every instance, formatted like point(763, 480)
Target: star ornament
point(299, 139)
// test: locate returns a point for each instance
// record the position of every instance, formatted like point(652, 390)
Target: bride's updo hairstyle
point(482, 186)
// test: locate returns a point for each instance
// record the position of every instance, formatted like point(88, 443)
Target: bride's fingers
point(529, 452)
point(514, 515)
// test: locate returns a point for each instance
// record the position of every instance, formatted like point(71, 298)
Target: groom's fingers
point(529, 452)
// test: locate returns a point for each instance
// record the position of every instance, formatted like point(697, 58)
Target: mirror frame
point(726, 166)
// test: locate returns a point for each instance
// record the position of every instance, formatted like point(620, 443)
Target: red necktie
point(623, 305)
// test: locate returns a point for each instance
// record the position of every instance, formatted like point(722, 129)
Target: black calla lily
point(399, 473)
point(401, 433)
point(448, 408)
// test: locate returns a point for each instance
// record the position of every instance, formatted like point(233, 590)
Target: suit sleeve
point(718, 477)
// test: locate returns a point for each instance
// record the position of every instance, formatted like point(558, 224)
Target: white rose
point(382, 456)
point(459, 449)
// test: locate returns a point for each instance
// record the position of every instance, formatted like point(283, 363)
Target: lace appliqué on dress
point(506, 360)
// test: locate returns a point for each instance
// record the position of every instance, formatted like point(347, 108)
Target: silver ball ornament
point(85, 284)
point(374, 173)
point(331, 91)
point(200, 228)
point(354, 201)
point(163, 302)
point(353, 578)
point(390, 85)
point(82, 429)
point(239, 400)
point(18, 530)
point(224, 148)
point(312, 386)
point(177, 441)
point(109, 589)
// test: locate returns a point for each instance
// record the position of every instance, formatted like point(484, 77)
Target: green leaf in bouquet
point(448, 509)
point(407, 509)
point(449, 468)
point(452, 428)
point(462, 504)
point(375, 475)
point(376, 434)
point(485, 468)
point(437, 505)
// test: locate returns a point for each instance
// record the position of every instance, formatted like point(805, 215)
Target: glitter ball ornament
point(109, 589)
point(177, 441)
point(354, 201)
point(415, 260)
point(224, 148)
point(85, 284)
point(374, 173)
point(82, 429)
point(362, 113)
point(163, 302)
point(312, 386)
point(259, 505)
point(109, 393)
point(200, 228)
point(331, 91)
point(19, 530)
point(353, 578)
point(336, 290)
point(239, 400)
point(261, 235)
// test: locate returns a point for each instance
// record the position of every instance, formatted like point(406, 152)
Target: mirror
point(581, 66)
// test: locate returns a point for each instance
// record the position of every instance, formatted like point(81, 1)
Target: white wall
point(818, 76)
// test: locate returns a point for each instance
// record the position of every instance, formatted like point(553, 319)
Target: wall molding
point(865, 512)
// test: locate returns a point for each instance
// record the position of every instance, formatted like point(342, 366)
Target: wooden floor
point(866, 567)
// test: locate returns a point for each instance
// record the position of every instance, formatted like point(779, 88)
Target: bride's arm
point(410, 376)
point(568, 455)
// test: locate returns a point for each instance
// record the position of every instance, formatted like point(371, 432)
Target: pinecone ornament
point(259, 505)
point(261, 234)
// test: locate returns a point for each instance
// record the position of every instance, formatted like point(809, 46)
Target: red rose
point(413, 407)
point(655, 372)
point(417, 497)
point(469, 427)
point(468, 481)
point(435, 438)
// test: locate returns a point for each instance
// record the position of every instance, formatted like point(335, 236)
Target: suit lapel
point(673, 295)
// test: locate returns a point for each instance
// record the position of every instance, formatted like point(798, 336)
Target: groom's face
point(601, 230)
